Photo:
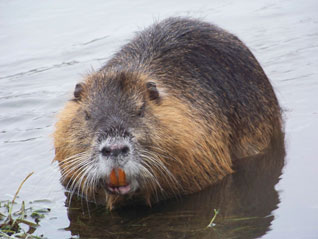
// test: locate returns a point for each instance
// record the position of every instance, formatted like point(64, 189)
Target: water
point(48, 46)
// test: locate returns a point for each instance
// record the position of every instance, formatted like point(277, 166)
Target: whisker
point(152, 160)
point(74, 180)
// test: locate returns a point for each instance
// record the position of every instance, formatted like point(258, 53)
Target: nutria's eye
point(152, 91)
point(78, 91)
point(87, 116)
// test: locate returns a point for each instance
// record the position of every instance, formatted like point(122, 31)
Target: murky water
point(47, 46)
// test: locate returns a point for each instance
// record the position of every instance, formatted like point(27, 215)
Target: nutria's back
point(166, 115)
point(206, 67)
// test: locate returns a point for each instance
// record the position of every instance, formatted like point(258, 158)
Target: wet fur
point(216, 105)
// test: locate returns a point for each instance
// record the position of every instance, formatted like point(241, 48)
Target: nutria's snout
point(117, 150)
point(117, 165)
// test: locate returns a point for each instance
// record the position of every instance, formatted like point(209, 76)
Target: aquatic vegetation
point(19, 224)
point(211, 224)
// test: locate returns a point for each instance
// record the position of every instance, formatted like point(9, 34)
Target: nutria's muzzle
point(116, 149)
point(114, 153)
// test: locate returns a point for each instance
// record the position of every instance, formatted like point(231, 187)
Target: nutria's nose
point(115, 150)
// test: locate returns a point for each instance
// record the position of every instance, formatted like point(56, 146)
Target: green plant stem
point(216, 212)
point(15, 196)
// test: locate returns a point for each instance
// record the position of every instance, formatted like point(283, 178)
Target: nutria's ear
point(78, 91)
point(152, 91)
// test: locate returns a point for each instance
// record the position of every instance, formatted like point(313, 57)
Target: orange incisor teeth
point(118, 177)
point(121, 177)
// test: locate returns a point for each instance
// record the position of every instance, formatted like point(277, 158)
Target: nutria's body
point(167, 115)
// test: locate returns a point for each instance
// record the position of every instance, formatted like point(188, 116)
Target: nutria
point(167, 115)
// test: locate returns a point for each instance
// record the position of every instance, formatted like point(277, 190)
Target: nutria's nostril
point(115, 150)
point(106, 151)
point(125, 150)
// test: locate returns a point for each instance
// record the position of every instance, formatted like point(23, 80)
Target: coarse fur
point(184, 96)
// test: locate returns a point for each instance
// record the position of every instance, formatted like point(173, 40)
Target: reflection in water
point(246, 200)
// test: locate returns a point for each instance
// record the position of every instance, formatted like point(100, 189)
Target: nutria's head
point(103, 137)
point(124, 135)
